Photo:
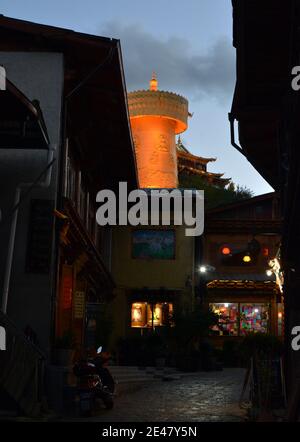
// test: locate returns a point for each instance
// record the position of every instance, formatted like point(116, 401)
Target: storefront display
point(228, 319)
point(139, 314)
point(146, 315)
point(254, 318)
point(238, 319)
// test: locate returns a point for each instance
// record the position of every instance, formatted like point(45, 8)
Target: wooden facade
point(239, 242)
point(189, 164)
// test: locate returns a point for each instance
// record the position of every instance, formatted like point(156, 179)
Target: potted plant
point(190, 328)
point(64, 349)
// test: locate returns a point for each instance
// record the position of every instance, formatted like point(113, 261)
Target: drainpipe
point(11, 245)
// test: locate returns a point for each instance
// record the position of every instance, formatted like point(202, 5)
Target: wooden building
point(189, 164)
point(56, 266)
point(267, 110)
point(236, 281)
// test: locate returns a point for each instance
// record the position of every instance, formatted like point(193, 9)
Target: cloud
point(178, 67)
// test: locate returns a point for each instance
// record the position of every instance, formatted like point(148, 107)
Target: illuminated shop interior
point(238, 319)
point(146, 315)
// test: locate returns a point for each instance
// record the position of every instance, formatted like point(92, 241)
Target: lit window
point(228, 319)
point(239, 319)
point(145, 315)
point(139, 314)
point(254, 318)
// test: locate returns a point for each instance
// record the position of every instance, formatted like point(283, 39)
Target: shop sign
point(79, 304)
point(67, 287)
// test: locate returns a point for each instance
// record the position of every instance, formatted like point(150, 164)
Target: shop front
point(151, 309)
point(85, 287)
point(148, 315)
point(244, 307)
point(238, 319)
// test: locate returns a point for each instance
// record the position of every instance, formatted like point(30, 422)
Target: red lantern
point(265, 251)
point(226, 250)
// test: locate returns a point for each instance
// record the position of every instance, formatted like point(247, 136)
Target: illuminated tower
point(156, 118)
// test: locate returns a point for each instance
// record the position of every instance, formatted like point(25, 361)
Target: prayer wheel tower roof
point(156, 103)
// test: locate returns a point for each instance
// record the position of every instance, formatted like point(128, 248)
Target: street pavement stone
point(202, 397)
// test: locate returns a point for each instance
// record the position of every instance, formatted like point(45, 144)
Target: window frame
point(239, 320)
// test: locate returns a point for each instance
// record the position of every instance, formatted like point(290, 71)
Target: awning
point(21, 121)
point(237, 277)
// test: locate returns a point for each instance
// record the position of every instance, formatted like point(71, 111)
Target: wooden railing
point(21, 369)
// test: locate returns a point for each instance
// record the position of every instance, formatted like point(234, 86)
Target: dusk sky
point(188, 44)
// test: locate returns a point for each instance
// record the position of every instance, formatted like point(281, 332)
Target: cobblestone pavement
point(203, 397)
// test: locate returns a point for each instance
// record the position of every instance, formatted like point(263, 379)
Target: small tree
point(215, 196)
point(192, 326)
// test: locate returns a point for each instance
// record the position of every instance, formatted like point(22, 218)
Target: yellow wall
point(130, 273)
point(134, 273)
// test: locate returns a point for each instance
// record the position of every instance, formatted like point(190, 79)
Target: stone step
point(125, 369)
point(124, 374)
point(133, 378)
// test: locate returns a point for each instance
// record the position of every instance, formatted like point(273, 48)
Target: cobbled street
point(203, 397)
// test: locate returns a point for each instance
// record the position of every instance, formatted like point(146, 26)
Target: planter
point(64, 356)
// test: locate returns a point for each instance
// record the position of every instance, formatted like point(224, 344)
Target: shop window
point(146, 315)
point(139, 314)
point(254, 318)
point(239, 319)
point(228, 319)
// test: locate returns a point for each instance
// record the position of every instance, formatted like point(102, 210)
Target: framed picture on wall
point(153, 244)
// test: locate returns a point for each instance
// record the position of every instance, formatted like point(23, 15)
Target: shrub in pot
point(190, 329)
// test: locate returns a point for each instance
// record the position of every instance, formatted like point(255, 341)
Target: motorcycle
point(94, 382)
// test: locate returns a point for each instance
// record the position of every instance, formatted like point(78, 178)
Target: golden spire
point(153, 82)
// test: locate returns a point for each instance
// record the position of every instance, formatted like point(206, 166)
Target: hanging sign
point(79, 304)
point(67, 287)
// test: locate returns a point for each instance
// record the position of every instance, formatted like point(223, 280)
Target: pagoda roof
point(184, 152)
point(216, 176)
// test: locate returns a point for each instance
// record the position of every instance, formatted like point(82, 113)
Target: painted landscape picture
point(153, 244)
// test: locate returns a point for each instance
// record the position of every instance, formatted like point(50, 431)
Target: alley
point(203, 397)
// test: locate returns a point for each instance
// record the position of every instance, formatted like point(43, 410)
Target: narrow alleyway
point(203, 397)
